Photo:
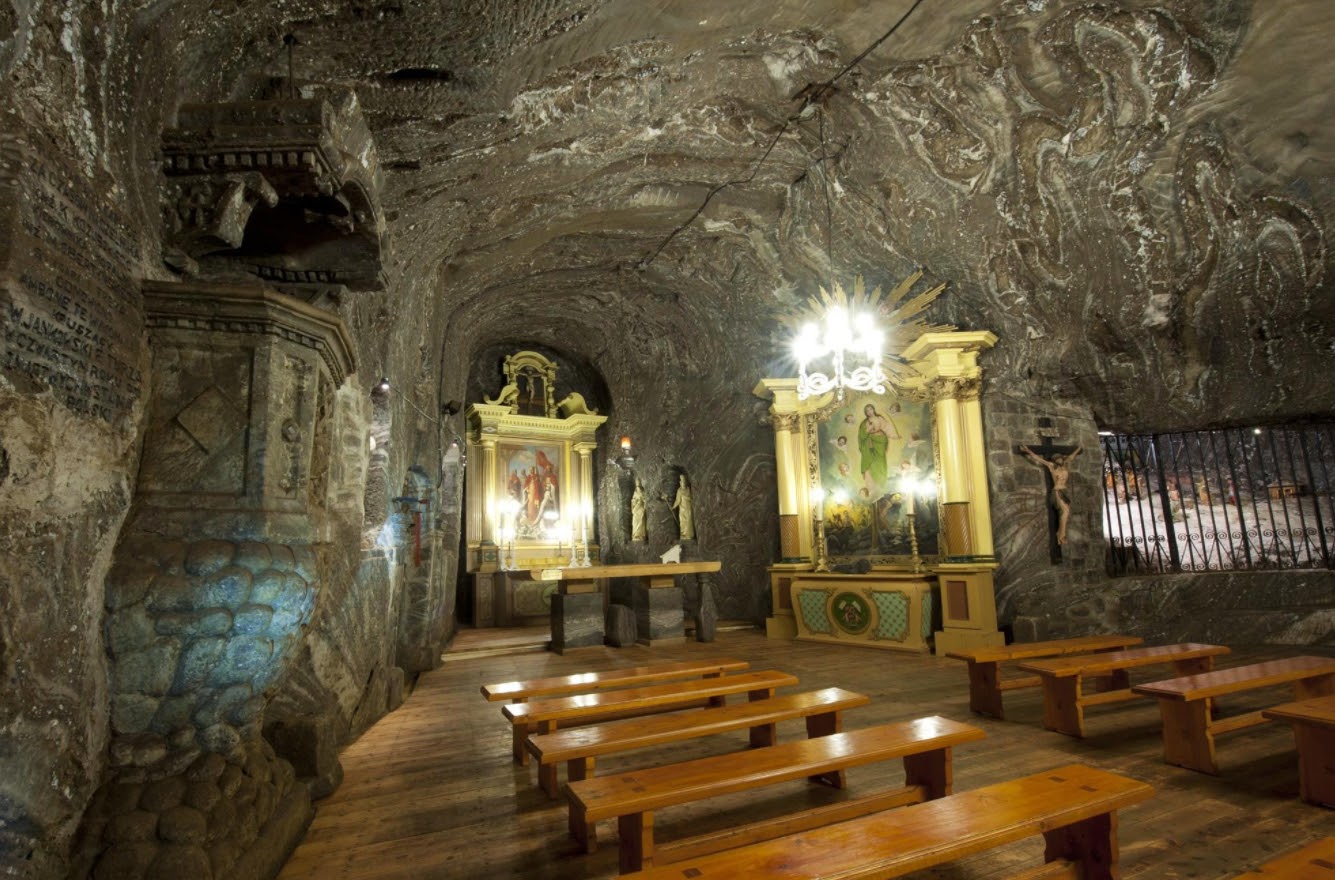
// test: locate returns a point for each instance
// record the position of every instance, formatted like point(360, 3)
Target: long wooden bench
point(1064, 699)
point(1074, 808)
point(588, 682)
point(924, 745)
point(545, 716)
point(986, 684)
point(1316, 861)
point(579, 747)
point(1314, 732)
point(591, 682)
point(1186, 703)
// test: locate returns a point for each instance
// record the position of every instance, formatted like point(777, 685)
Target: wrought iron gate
point(1235, 499)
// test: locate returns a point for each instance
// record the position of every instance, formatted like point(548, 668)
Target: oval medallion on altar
point(850, 612)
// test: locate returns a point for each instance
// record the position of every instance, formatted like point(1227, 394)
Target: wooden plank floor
point(430, 793)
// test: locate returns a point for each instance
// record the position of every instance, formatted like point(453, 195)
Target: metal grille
point(1229, 500)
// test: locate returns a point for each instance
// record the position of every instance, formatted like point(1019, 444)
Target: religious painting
point(867, 446)
point(530, 502)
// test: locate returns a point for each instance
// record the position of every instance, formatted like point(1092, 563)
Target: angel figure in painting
point(1059, 496)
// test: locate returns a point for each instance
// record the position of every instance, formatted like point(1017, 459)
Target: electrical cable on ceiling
point(814, 93)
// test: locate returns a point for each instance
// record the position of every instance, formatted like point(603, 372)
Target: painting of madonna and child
point(868, 446)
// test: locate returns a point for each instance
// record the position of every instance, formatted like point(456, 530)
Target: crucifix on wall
point(1056, 461)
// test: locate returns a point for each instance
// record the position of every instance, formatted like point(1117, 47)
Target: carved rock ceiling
point(1133, 195)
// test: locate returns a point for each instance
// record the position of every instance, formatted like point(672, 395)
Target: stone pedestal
point(658, 614)
point(577, 621)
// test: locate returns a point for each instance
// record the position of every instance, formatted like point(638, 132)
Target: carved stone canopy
point(286, 190)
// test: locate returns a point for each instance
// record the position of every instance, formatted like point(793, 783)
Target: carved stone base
point(232, 818)
point(577, 621)
point(658, 614)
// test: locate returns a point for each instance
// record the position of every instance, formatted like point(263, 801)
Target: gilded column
point(489, 512)
point(585, 452)
point(971, 422)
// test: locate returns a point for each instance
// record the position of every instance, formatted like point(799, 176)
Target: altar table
point(577, 607)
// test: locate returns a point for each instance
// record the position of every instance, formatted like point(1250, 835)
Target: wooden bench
point(1186, 704)
point(1314, 732)
point(1073, 807)
point(986, 684)
point(924, 745)
point(1064, 699)
point(1316, 861)
point(579, 747)
point(590, 682)
point(545, 716)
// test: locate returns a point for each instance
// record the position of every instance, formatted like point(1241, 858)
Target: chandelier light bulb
point(854, 353)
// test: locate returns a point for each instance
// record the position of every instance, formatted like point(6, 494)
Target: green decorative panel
point(926, 616)
point(812, 605)
point(893, 608)
point(851, 612)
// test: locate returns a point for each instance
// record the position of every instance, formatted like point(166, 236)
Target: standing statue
point(1059, 496)
point(685, 516)
point(637, 527)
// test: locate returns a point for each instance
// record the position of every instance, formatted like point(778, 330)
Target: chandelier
point(847, 352)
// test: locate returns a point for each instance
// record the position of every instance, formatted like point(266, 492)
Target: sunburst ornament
point(843, 336)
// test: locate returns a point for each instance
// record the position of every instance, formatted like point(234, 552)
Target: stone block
point(706, 615)
point(577, 621)
point(658, 614)
point(620, 625)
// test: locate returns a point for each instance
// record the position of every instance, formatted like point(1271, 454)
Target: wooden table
point(1314, 730)
point(577, 609)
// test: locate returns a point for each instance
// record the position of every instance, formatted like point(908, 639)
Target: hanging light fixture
point(842, 351)
point(853, 347)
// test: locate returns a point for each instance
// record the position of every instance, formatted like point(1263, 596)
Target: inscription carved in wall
point(69, 306)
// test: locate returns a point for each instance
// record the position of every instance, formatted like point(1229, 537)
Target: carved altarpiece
point(530, 499)
point(943, 375)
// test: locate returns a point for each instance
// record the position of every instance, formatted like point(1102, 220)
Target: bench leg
point(1117, 680)
point(584, 831)
point(932, 770)
point(1091, 844)
point(985, 688)
point(1062, 711)
point(519, 736)
point(636, 832)
point(824, 724)
point(715, 702)
point(547, 780)
point(1316, 764)
point(762, 694)
point(1311, 688)
point(1187, 741)
point(579, 768)
point(763, 735)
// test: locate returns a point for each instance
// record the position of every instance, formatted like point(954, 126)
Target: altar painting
point(866, 447)
point(530, 477)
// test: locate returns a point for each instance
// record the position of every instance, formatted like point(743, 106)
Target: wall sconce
point(381, 387)
point(626, 460)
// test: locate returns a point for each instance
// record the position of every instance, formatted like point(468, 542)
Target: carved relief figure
point(638, 532)
point(1059, 496)
point(685, 515)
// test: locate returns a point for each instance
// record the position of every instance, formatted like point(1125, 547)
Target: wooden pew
point(545, 716)
point(1186, 703)
point(580, 746)
point(1064, 699)
point(1314, 732)
point(588, 682)
point(986, 684)
point(924, 745)
point(1074, 808)
point(1316, 861)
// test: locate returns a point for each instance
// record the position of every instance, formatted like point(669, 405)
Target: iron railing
point(1227, 500)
